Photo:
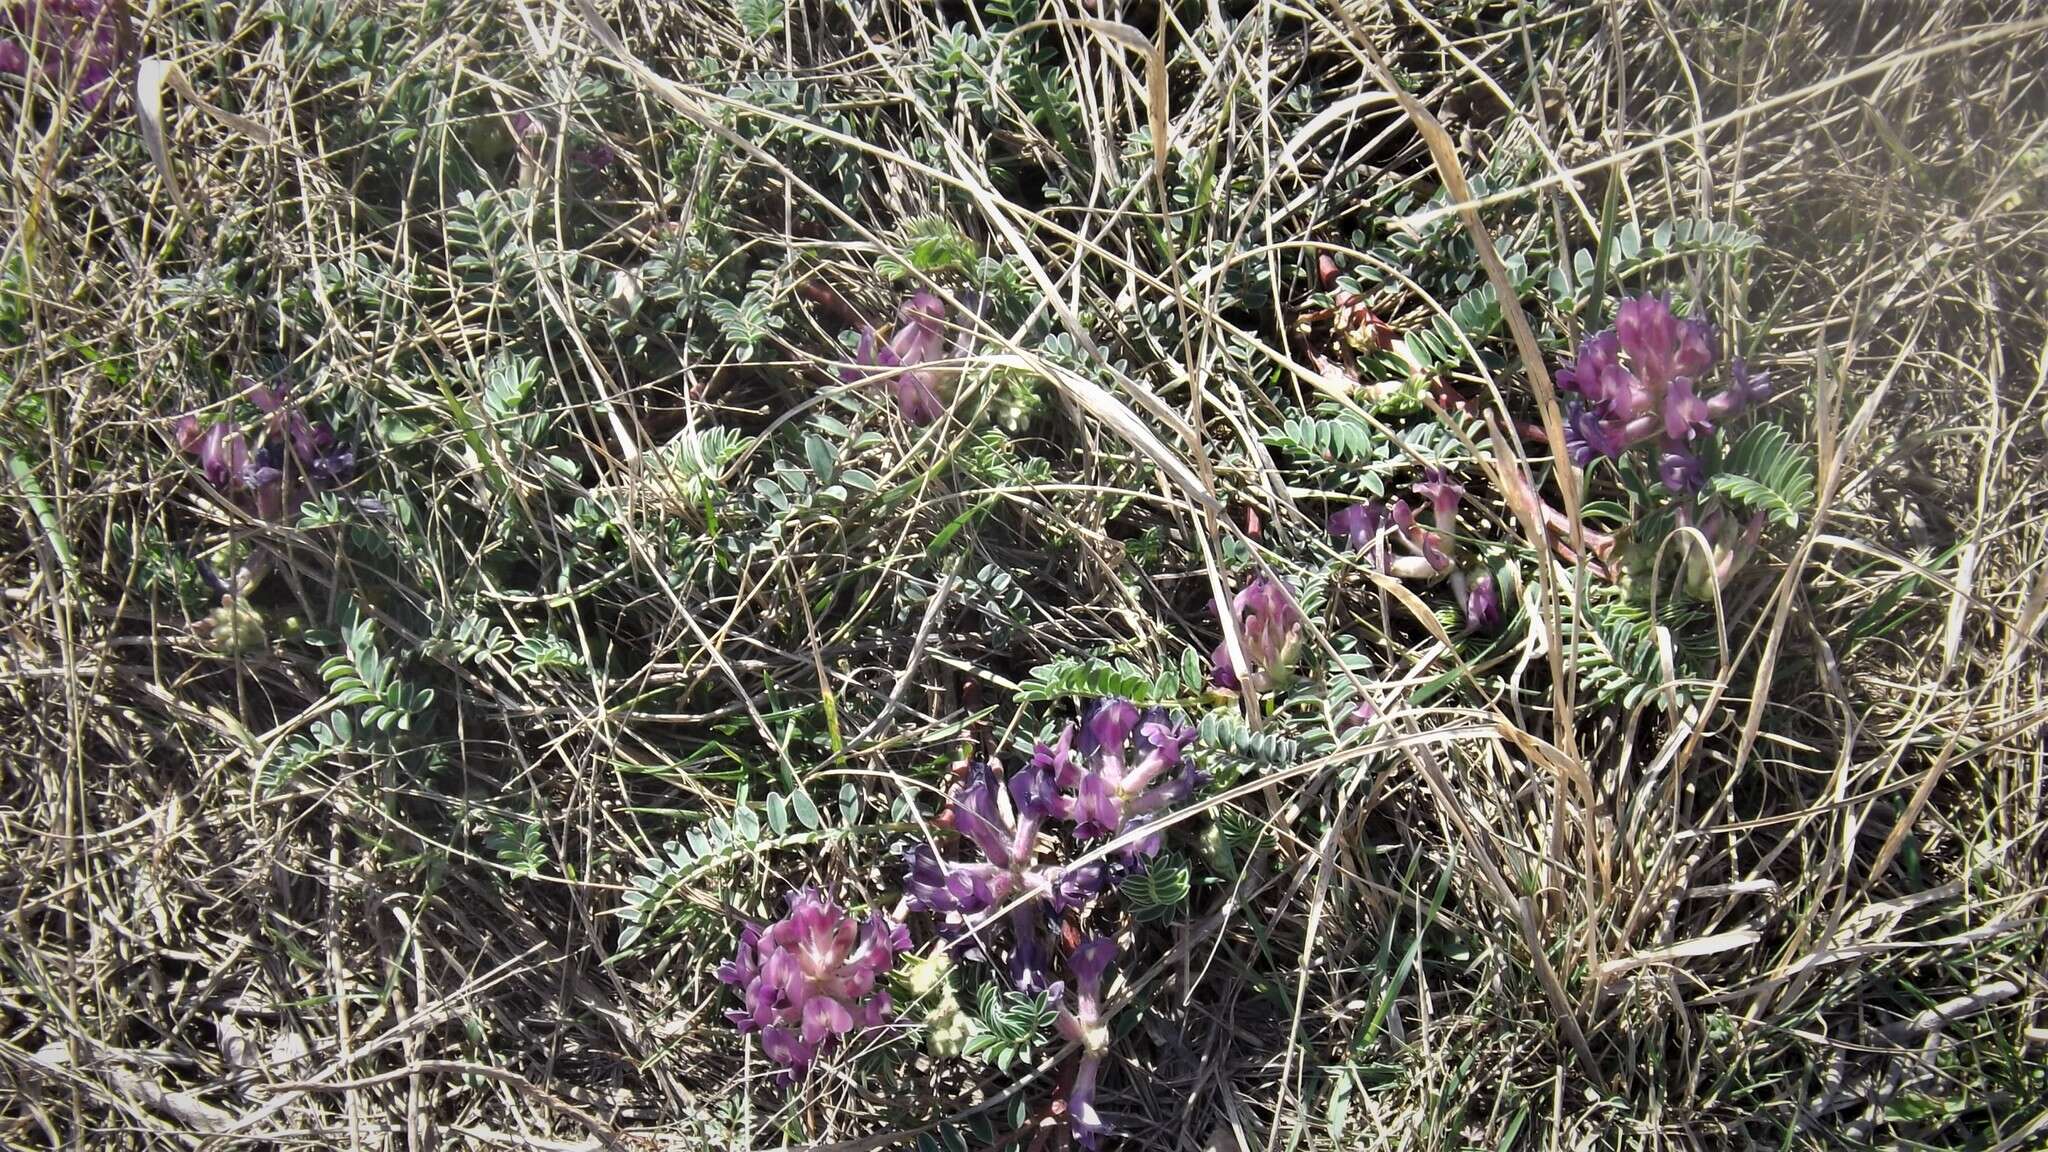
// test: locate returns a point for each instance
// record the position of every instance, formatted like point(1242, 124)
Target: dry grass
point(1809, 917)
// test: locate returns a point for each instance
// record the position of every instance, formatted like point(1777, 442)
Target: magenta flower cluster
point(74, 42)
point(920, 337)
point(290, 457)
point(1397, 543)
point(1115, 773)
point(1640, 381)
point(1269, 629)
point(812, 977)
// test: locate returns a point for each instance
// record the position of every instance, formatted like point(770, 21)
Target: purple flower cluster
point(1269, 626)
point(1397, 543)
point(1640, 380)
point(1118, 771)
point(920, 337)
point(1086, 1026)
point(812, 977)
point(288, 444)
point(76, 42)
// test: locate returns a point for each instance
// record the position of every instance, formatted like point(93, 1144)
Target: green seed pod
point(235, 629)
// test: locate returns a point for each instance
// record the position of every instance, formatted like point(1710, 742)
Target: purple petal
point(1089, 964)
point(1221, 672)
point(1098, 812)
point(1679, 470)
point(1685, 414)
point(825, 1018)
point(1444, 496)
point(1482, 604)
point(1030, 966)
point(1107, 727)
point(1694, 357)
point(921, 335)
point(978, 815)
point(1359, 524)
point(1087, 1125)
point(1648, 333)
point(1074, 887)
point(916, 399)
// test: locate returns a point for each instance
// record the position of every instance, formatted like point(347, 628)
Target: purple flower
point(1597, 374)
point(1105, 727)
point(1685, 414)
point(1482, 604)
point(1084, 1025)
point(312, 442)
point(1077, 885)
point(1030, 963)
point(1591, 430)
point(222, 451)
point(1360, 525)
point(1649, 335)
point(980, 814)
point(1002, 820)
point(948, 887)
point(1679, 470)
point(1444, 496)
point(287, 446)
point(1269, 626)
point(1694, 356)
point(1641, 380)
point(1116, 770)
point(920, 336)
point(1089, 965)
point(72, 42)
point(1745, 389)
point(1135, 768)
point(1375, 528)
point(812, 977)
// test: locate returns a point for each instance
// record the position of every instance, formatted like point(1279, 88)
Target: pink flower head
point(812, 977)
point(1641, 380)
point(919, 337)
point(1269, 625)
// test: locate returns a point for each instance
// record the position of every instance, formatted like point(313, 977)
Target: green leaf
point(1766, 472)
point(806, 812)
point(1159, 891)
point(761, 18)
